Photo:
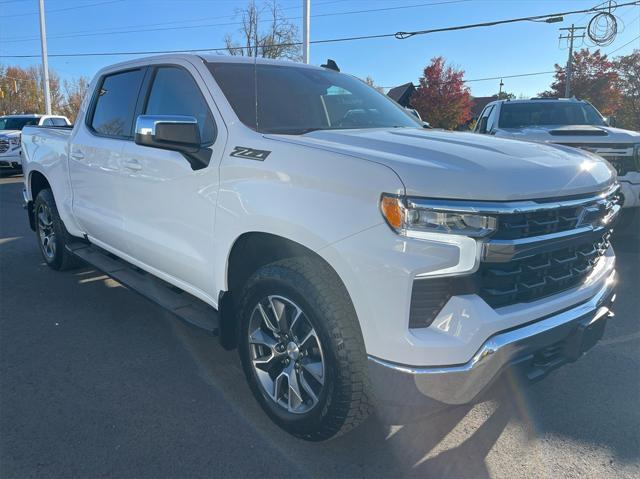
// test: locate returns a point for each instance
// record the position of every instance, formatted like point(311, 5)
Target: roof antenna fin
point(331, 65)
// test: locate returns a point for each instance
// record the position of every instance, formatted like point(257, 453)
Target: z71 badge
point(250, 153)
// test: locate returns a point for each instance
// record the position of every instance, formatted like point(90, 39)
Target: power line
point(189, 27)
point(173, 22)
point(622, 46)
point(405, 35)
point(330, 40)
point(61, 9)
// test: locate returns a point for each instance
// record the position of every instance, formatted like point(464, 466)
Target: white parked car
point(10, 128)
point(569, 122)
point(350, 254)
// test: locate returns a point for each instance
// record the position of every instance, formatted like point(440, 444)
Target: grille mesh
point(4, 145)
point(540, 275)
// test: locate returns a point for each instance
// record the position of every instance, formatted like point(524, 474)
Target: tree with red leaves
point(593, 78)
point(441, 98)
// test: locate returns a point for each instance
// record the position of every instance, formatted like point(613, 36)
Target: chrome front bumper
point(535, 349)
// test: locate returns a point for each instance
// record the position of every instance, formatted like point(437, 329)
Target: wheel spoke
point(278, 308)
point(295, 395)
point(307, 388)
point(316, 369)
point(310, 334)
point(260, 337)
point(267, 320)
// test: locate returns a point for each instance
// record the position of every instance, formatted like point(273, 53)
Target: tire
point(51, 234)
point(339, 399)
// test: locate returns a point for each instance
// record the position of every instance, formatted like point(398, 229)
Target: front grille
point(624, 164)
point(548, 221)
point(539, 275)
point(4, 145)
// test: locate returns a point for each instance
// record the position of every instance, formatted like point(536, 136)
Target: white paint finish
point(321, 190)
point(444, 164)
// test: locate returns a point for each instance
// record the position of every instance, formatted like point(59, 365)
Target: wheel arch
point(249, 252)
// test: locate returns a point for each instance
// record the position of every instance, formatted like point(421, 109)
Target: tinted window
point(16, 123)
point(481, 126)
point(175, 92)
point(548, 112)
point(58, 122)
point(113, 114)
point(295, 100)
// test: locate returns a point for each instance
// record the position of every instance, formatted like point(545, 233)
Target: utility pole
point(500, 92)
point(45, 61)
point(306, 23)
point(570, 36)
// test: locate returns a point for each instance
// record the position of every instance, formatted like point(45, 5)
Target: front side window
point(58, 122)
point(175, 92)
point(47, 122)
point(481, 127)
point(296, 100)
point(116, 103)
point(548, 112)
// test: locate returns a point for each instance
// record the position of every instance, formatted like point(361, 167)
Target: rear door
point(95, 157)
point(169, 207)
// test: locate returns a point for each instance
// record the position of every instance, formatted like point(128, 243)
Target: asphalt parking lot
point(96, 381)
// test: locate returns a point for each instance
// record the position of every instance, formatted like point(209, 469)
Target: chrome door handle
point(132, 165)
point(77, 155)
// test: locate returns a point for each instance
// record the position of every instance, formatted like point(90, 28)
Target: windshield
point(518, 115)
point(16, 122)
point(298, 100)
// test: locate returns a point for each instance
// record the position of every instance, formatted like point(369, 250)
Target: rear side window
point(175, 92)
point(116, 103)
point(47, 122)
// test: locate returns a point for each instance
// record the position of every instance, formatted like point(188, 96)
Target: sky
point(92, 26)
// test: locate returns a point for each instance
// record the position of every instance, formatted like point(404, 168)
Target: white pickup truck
point(353, 256)
point(10, 129)
point(569, 122)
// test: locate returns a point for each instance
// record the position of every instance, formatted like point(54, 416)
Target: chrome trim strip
point(459, 384)
point(502, 251)
point(507, 207)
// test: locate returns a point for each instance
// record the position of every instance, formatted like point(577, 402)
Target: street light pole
point(45, 62)
point(306, 23)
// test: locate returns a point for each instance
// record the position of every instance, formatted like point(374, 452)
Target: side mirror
point(425, 124)
point(173, 132)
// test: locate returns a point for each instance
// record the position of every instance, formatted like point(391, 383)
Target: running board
point(182, 304)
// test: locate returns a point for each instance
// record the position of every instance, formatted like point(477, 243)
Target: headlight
point(14, 141)
point(407, 217)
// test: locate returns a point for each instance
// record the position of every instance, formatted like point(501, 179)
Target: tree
point(369, 81)
point(277, 40)
point(628, 66)
point(75, 90)
point(441, 97)
point(593, 78)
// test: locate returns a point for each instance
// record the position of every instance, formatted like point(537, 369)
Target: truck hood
point(572, 134)
point(443, 164)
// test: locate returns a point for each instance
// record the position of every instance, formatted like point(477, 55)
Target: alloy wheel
point(286, 354)
point(46, 231)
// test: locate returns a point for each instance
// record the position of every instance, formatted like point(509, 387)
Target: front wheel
point(302, 349)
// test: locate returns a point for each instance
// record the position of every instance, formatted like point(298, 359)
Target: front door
point(169, 207)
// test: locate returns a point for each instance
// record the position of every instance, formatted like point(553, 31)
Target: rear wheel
point(302, 349)
point(51, 233)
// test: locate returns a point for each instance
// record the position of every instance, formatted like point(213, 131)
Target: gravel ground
point(95, 381)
